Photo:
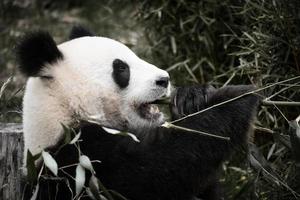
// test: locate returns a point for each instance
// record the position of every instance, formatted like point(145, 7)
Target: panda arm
point(233, 120)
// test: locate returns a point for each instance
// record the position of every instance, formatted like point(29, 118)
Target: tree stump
point(11, 154)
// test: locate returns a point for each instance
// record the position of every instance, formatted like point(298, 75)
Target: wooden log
point(11, 153)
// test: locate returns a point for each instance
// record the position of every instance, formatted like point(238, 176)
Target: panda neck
point(43, 114)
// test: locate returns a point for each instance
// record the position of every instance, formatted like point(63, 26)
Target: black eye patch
point(121, 73)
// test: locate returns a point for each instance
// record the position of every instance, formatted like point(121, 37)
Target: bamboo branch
point(169, 125)
point(282, 90)
point(297, 119)
point(280, 103)
point(262, 129)
point(233, 99)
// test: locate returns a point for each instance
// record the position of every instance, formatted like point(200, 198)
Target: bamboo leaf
point(250, 37)
point(270, 153)
point(117, 195)
point(122, 133)
point(79, 179)
point(76, 138)
point(36, 191)
point(129, 135)
point(67, 134)
point(111, 131)
point(295, 140)
point(86, 163)
point(90, 194)
point(105, 191)
point(94, 187)
point(50, 162)
point(173, 45)
point(5, 84)
point(31, 168)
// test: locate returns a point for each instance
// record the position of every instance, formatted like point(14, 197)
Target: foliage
point(234, 42)
point(10, 102)
point(95, 189)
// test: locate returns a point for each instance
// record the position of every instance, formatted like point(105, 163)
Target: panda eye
point(119, 65)
point(121, 73)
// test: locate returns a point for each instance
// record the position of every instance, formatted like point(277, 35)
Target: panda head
point(89, 77)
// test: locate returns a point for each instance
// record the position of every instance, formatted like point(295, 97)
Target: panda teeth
point(154, 109)
point(148, 110)
point(151, 109)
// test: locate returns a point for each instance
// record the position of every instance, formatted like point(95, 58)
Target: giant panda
point(90, 76)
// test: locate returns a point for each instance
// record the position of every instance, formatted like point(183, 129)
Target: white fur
point(82, 86)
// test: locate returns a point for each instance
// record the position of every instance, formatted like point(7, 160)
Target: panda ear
point(34, 51)
point(79, 31)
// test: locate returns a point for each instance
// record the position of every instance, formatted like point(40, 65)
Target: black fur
point(186, 100)
point(163, 82)
point(121, 73)
point(174, 164)
point(79, 31)
point(34, 51)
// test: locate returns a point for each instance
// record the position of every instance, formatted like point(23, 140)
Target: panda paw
point(189, 99)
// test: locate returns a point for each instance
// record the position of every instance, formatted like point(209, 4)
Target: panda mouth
point(149, 111)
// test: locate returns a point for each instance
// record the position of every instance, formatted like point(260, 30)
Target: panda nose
point(162, 82)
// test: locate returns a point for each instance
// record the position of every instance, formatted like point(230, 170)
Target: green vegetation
point(219, 42)
point(235, 42)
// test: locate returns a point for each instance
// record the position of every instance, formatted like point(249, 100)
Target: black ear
point(79, 31)
point(34, 51)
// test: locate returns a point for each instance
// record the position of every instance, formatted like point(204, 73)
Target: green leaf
point(86, 163)
point(37, 156)
point(244, 188)
point(79, 179)
point(31, 168)
point(36, 191)
point(270, 153)
point(90, 194)
point(5, 84)
point(76, 138)
point(283, 139)
point(295, 140)
point(67, 133)
point(122, 133)
point(250, 37)
point(94, 187)
point(105, 191)
point(258, 162)
point(50, 162)
point(117, 195)
point(173, 45)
